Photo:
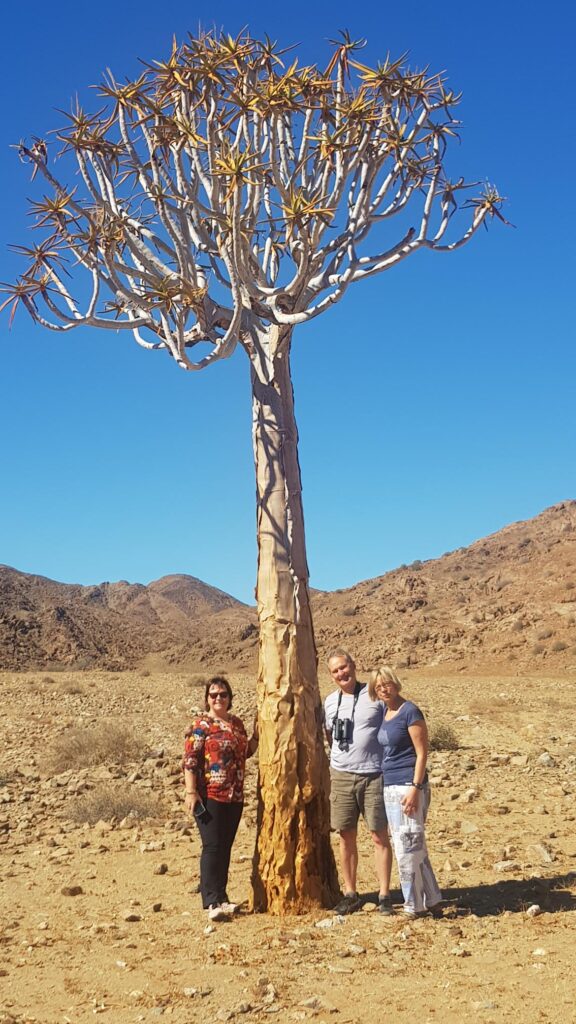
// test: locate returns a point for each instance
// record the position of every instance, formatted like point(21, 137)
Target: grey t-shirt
point(364, 754)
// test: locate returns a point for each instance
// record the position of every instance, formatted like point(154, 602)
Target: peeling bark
point(293, 867)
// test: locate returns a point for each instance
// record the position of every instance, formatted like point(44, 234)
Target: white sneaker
point(218, 912)
point(230, 908)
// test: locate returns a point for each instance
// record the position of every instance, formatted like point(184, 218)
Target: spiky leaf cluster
point(229, 185)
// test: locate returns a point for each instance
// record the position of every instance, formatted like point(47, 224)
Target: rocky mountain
point(112, 625)
point(506, 601)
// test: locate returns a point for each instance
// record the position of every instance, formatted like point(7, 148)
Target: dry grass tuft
point(443, 737)
point(197, 680)
point(103, 744)
point(72, 688)
point(107, 802)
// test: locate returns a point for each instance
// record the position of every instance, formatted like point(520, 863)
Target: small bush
point(108, 802)
point(559, 645)
point(105, 744)
point(537, 649)
point(197, 680)
point(443, 737)
point(72, 688)
point(544, 635)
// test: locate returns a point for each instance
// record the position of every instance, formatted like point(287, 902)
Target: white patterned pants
point(417, 879)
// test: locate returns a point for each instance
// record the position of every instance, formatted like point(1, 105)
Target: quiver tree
point(222, 199)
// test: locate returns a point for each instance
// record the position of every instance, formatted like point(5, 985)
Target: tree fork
point(293, 867)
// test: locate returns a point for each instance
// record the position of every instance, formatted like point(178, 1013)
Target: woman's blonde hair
point(380, 673)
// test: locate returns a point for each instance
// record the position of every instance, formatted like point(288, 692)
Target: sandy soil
point(133, 945)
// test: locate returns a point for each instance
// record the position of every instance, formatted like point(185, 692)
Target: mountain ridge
point(507, 600)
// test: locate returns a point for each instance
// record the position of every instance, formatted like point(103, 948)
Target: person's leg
point(430, 887)
point(349, 859)
point(231, 815)
point(371, 800)
point(344, 814)
point(417, 880)
point(382, 860)
point(209, 867)
point(217, 834)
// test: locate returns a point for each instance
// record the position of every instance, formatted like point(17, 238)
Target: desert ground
point(99, 913)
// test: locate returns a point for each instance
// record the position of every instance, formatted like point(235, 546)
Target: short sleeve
point(414, 714)
point(194, 742)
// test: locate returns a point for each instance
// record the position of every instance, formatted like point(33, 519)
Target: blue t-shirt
point(399, 755)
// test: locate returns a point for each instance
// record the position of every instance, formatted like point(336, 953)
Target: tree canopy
point(229, 182)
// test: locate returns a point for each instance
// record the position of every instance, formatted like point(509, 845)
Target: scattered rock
point(318, 1003)
point(131, 915)
point(544, 853)
point(534, 911)
point(469, 795)
point(506, 865)
point(72, 890)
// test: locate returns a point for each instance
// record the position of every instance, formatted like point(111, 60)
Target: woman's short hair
point(383, 672)
point(219, 681)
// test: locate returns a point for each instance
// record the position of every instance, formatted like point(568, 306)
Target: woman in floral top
point(215, 752)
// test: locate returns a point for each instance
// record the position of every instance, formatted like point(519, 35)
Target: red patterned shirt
point(215, 751)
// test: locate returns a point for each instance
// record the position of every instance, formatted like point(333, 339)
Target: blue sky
point(435, 403)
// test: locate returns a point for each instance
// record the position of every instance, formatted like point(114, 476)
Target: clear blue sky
point(436, 403)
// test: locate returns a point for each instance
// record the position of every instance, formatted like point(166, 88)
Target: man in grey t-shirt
point(352, 721)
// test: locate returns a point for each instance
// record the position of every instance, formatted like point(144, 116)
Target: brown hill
point(114, 625)
point(507, 601)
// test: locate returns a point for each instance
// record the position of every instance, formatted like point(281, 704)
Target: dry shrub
point(197, 680)
point(102, 744)
point(443, 737)
point(107, 802)
point(559, 645)
point(72, 688)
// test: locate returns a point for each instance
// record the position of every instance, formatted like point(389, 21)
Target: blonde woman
point(404, 739)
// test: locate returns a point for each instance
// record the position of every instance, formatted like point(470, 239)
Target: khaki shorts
point(352, 795)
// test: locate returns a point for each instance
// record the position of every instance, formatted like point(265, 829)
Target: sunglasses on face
point(217, 694)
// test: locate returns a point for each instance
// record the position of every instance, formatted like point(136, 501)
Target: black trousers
point(217, 834)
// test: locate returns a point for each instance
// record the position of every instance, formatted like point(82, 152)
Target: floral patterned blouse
point(215, 751)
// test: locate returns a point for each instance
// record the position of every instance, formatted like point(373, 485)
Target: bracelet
point(418, 785)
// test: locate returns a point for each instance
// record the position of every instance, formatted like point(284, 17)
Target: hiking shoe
point(349, 903)
point(385, 905)
point(230, 908)
point(217, 912)
point(437, 911)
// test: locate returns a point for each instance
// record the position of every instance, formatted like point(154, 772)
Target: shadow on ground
point(513, 894)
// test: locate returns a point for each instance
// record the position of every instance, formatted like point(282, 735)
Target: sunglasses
point(219, 693)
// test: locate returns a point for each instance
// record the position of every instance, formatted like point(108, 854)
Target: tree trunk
point(293, 867)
